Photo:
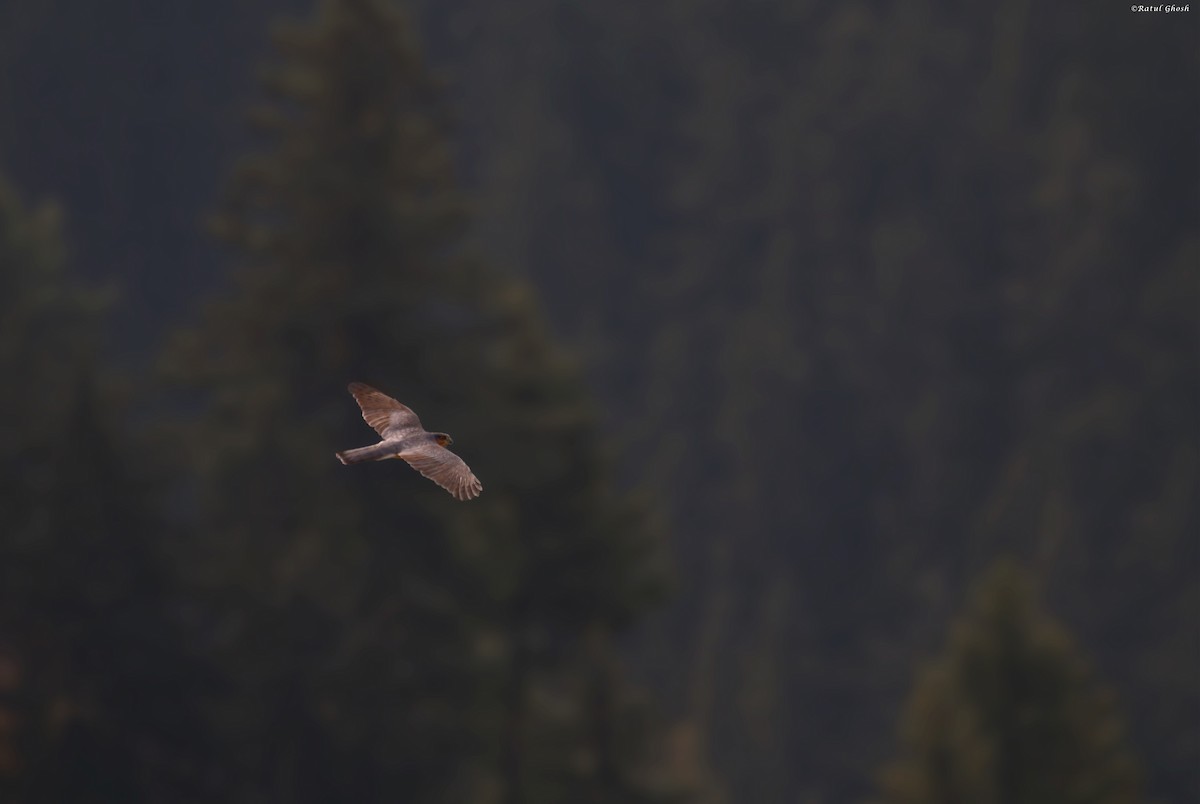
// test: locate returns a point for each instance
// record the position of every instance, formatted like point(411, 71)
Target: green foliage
point(872, 292)
point(1010, 713)
point(885, 290)
point(98, 697)
point(412, 645)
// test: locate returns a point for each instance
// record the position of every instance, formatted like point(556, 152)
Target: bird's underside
point(376, 452)
point(405, 438)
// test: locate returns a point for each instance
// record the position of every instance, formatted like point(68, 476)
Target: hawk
point(405, 438)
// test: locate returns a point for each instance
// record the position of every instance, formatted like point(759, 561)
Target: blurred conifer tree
point(99, 699)
point(390, 641)
point(886, 289)
point(1010, 713)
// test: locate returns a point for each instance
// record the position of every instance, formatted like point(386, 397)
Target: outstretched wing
point(444, 468)
point(385, 414)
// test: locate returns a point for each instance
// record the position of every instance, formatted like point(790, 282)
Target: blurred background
point(830, 368)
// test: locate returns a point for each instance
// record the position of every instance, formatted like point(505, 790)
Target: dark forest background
point(831, 370)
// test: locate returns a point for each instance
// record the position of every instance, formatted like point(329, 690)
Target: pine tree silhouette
point(100, 699)
point(390, 640)
point(1010, 713)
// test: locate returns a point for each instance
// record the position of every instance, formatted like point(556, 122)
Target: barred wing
point(382, 412)
point(444, 468)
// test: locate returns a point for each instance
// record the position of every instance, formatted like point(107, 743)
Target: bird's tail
point(375, 452)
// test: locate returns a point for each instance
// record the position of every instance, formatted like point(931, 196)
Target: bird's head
point(442, 439)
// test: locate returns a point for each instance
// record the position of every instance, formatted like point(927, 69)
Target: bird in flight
point(405, 438)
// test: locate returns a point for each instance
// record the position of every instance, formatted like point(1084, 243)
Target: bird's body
point(405, 438)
